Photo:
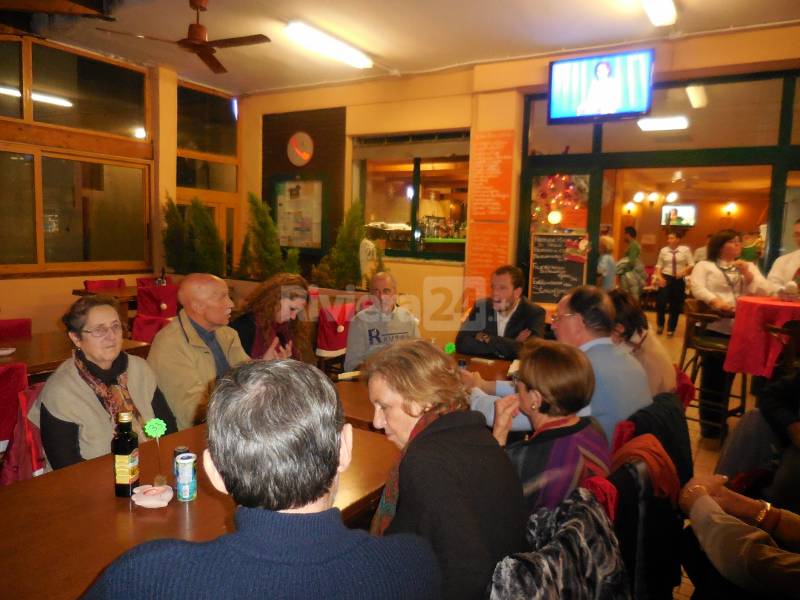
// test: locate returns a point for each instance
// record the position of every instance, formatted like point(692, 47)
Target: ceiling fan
point(197, 42)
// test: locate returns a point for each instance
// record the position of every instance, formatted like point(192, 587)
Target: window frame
point(41, 266)
point(216, 199)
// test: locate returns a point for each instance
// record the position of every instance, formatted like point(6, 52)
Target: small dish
point(7, 351)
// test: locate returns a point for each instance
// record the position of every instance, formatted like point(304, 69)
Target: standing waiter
point(673, 265)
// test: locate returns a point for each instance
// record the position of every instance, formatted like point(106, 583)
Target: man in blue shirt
point(277, 442)
point(583, 318)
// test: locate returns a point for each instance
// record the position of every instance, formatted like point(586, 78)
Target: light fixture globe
point(554, 217)
point(639, 197)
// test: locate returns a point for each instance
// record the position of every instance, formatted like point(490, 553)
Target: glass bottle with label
point(125, 448)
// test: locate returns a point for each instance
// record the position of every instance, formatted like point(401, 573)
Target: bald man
point(197, 348)
point(379, 325)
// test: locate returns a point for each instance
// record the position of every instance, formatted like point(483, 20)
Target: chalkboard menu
point(558, 264)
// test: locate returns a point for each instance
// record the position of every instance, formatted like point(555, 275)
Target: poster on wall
point(299, 213)
point(490, 175)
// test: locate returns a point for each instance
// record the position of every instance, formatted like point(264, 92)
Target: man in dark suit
point(498, 326)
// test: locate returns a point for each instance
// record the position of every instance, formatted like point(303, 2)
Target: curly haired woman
point(273, 323)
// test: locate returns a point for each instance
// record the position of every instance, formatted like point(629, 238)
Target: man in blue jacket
point(277, 442)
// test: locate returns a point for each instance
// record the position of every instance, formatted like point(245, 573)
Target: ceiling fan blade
point(244, 40)
point(136, 35)
point(211, 61)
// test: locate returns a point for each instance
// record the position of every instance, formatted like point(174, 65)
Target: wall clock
point(300, 149)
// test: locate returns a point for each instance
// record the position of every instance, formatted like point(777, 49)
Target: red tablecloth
point(751, 349)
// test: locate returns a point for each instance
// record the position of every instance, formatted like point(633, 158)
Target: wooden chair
point(98, 286)
point(696, 338)
point(15, 328)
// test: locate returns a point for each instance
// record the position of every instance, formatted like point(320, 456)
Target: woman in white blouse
point(718, 282)
point(672, 266)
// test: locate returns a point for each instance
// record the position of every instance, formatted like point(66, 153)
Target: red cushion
point(25, 457)
point(14, 328)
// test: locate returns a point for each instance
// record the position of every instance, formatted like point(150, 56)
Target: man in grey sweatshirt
point(379, 325)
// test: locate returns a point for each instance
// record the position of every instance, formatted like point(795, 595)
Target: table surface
point(43, 352)
point(355, 399)
point(61, 529)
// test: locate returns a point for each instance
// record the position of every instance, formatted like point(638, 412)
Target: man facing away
point(585, 318)
point(277, 443)
point(497, 326)
point(379, 325)
point(196, 348)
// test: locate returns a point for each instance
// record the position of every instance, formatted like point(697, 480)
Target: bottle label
point(126, 468)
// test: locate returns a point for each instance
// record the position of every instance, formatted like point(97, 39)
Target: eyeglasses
point(556, 318)
point(102, 330)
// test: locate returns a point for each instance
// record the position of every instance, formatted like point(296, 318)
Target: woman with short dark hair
point(554, 382)
point(718, 282)
point(80, 401)
point(453, 484)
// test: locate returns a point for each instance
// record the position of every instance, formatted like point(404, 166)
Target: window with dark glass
point(10, 88)
point(17, 209)
point(75, 91)
point(92, 211)
point(206, 122)
point(387, 204)
point(206, 175)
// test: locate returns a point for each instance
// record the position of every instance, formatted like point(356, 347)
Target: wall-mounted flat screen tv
point(598, 88)
point(679, 215)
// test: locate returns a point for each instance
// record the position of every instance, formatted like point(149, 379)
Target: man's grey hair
point(274, 429)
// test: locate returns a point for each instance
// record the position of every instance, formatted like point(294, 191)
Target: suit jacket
point(482, 319)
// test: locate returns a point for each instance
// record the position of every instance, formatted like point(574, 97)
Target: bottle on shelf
point(125, 448)
point(163, 279)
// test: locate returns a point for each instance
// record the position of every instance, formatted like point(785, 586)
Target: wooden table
point(358, 410)
point(61, 529)
point(491, 369)
point(43, 352)
point(124, 295)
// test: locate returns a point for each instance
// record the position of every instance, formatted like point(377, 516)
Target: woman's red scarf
point(387, 507)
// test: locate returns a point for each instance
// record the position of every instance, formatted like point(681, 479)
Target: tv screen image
point(595, 88)
point(680, 215)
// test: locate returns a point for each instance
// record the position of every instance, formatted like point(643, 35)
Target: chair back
point(13, 379)
point(15, 328)
point(146, 327)
point(25, 458)
point(157, 301)
point(332, 329)
point(151, 281)
point(98, 286)
point(697, 320)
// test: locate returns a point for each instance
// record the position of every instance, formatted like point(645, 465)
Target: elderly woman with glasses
point(80, 401)
point(554, 382)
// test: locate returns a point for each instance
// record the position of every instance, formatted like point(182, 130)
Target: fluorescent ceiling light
point(321, 42)
point(663, 123)
point(697, 95)
point(7, 91)
point(37, 97)
point(660, 12)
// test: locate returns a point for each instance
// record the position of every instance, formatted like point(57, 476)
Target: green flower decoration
point(449, 348)
point(155, 428)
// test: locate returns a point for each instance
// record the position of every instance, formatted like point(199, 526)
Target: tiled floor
point(704, 451)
